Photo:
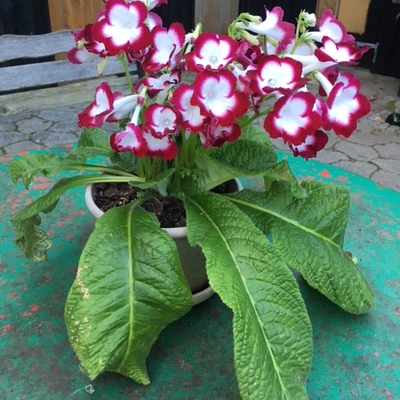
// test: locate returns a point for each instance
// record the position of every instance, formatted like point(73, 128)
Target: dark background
point(32, 17)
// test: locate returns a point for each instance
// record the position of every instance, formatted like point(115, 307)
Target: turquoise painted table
point(355, 357)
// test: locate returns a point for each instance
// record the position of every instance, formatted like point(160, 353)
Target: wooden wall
point(73, 14)
point(216, 15)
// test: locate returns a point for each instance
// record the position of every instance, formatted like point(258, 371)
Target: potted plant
point(187, 126)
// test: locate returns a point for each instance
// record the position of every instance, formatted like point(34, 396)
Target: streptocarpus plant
point(186, 127)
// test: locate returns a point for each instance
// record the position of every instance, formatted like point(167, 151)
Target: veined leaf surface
point(272, 332)
point(129, 286)
point(309, 234)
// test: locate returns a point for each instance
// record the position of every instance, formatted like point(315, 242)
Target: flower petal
point(293, 118)
point(161, 119)
point(346, 105)
point(96, 113)
point(123, 28)
point(211, 51)
point(216, 96)
point(276, 75)
point(131, 139)
point(163, 147)
point(311, 145)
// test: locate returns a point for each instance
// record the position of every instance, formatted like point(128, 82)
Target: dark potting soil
point(169, 211)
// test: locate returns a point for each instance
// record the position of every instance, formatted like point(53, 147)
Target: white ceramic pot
point(192, 258)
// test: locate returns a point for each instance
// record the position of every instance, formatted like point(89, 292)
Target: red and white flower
point(191, 118)
point(159, 85)
point(276, 75)
point(293, 118)
point(345, 53)
point(107, 106)
point(87, 49)
point(123, 27)
point(217, 97)
point(216, 135)
point(167, 45)
point(273, 26)
point(330, 27)
point(97, 112)
point(345, 105)
point(161, 119)
point(164, 147)
point(211, 51)
point(311, 145)
point(131, 139)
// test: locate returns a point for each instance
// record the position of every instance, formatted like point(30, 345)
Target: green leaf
point(272, 331)
point(283, 173)
point(30, 239)
point(49, 165)
point(253, 132)
point(159, 182)
point(129, 286)
point(125, 160)
point(33, 241)
point(93, 142)
point(309, 234)
point(240, 158)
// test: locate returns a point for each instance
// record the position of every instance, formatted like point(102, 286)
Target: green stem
point(87, 167)
point(122, 58)
point(254, 117)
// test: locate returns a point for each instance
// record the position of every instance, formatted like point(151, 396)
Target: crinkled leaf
point(240, 158)
point(272, 331)
point(283, 173)
point(32, 240)
point(49, 165)
point(29, 238)
point(129, 286)
point(93, 142)
point(253, 132)
point(125, 160)
point(309, 233)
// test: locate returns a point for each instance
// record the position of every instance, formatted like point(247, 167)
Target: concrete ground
point(47, 117)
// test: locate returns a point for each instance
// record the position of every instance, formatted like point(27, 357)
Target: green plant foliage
point(125, 160)
point(33, 241)
point(116, 310)
point(282, 172)
point(49, 165)
point(241, 158)
point(309, 234)
point(272, 332)
point(93, 142)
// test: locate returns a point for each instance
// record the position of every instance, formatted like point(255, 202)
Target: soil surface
point(169, 211)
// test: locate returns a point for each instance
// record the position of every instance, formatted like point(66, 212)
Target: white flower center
point(213, 59)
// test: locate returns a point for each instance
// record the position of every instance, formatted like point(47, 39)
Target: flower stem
point(122, 58)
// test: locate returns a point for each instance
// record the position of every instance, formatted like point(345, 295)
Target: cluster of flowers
point(232, 75)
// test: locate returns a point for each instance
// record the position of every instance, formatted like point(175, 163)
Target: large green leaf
point(282, 172)
point(49, 165)
point(125, 160)
point(129, 286)
point(33, 241)
point(255, 133)
point(241, 158)
point(94, 142)
point(309, 233)
point(272, 332)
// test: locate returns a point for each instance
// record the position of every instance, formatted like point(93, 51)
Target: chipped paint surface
point(355, 357)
